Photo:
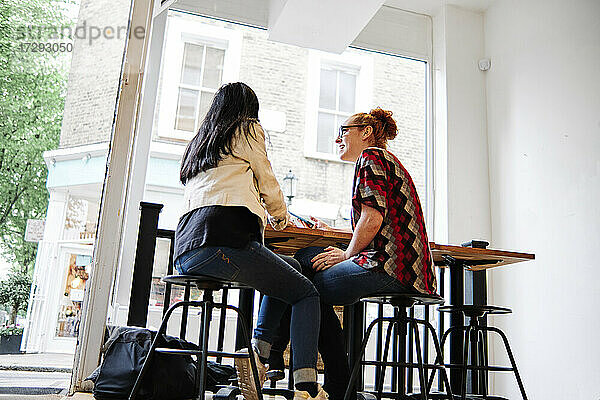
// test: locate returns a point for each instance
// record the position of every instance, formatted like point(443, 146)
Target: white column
point(141, 151)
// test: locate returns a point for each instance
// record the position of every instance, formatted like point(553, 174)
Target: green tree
point(32, 90)
point(14, 292)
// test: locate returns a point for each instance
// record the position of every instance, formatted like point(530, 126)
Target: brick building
point(304, 95)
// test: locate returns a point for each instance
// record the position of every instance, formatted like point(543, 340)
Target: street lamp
point(289, 184)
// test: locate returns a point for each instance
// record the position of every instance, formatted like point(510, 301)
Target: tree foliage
point(32, 89)
point(14, 292)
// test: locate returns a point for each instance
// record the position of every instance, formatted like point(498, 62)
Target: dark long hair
point(234, 105)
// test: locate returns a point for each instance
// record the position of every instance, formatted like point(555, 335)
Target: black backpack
point(168, 378)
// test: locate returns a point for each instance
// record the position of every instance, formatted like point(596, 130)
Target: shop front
point(54, 313)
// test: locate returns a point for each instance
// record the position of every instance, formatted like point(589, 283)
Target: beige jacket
point(244, 178)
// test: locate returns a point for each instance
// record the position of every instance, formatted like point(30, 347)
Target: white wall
point(543, 111)
point(468, 194)
point(462, 204)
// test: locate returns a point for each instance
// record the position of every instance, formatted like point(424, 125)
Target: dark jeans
point(342, 284)
point(280, 282)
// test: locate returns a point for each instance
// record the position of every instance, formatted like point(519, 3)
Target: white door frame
point(54, 344)
point(114, 197)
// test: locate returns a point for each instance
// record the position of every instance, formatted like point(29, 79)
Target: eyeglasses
point(345, 128)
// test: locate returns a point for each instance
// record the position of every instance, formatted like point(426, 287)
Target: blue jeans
point(346, 282)
point(342, 284)
point(281, 284)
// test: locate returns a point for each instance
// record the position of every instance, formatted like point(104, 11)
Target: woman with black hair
point(229, 184)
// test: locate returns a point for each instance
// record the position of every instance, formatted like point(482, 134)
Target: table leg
point(479, 297)
point(246, 306)
point(457, 288)
point(477, 294)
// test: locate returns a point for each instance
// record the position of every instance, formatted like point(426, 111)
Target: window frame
point(349, 61)
point(179, 32)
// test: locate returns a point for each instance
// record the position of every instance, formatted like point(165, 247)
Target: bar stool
point(475, 334)
point(208, 285)
point(401, 303)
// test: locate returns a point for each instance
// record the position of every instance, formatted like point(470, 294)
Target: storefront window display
point(69, 311)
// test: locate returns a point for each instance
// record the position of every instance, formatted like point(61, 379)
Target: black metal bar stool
point(475, 334)
point(208, 285)
point(401, 303)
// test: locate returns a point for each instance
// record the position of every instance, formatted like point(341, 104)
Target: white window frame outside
point(179, 32)
point(350, 60)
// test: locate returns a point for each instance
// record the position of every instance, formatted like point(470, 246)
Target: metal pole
point(144, 261)
point(456, 319)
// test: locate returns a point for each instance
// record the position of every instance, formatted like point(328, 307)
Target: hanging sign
point(34, 232)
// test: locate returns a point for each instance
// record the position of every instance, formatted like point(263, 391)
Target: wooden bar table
point(292, 239)
point(458, 259)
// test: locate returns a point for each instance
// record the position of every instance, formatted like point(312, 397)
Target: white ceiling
point(431, 7)
point(256, 12)
point(308, 23)
point(305, 23)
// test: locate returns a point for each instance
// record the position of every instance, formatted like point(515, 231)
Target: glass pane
point(325, 129)
point(327, 93)
point(192, 64)
point(213, 68)
point(205, 102)
point(347, 91)
point(160, 268)
point(186, 110)
point(339, 120)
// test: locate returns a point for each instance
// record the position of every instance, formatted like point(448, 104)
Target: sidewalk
point(41, 362)
point(35, 376)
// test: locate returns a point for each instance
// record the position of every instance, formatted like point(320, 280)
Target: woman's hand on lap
point(327, 259)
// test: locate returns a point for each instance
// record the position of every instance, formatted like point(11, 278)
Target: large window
point(304, 96)
point(198, 59)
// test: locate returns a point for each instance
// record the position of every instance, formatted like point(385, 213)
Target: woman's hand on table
point(318, 224)
point(327, 259)
point(279, 223)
